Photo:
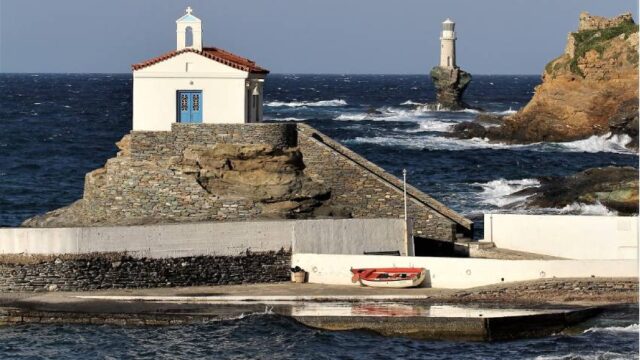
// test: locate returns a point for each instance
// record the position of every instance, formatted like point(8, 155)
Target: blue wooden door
point(189, 106)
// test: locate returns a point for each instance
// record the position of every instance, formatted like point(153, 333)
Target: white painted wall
point(207, 238)
point(460, 273)
point(224, 91)
point(566, 236)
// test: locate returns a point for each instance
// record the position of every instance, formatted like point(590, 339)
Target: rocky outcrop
point(203, 182)
point(450, 84)
point(592, 89)
point(614, 187)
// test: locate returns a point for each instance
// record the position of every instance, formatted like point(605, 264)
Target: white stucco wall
point(209, 238)
point(155, 87)
point(460, 273)
point(566, 236)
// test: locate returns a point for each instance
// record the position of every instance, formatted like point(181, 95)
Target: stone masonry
point(229, 172)
point(116, 271)
point(368, 191)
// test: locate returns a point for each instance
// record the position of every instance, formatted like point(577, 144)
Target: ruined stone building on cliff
point(195, 84)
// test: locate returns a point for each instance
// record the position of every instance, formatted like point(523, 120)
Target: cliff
point(591, 89)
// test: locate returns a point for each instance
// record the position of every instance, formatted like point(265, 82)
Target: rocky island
point(591, 89)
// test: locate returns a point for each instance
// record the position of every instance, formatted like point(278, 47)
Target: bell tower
point(189, 32)
point(448, 45)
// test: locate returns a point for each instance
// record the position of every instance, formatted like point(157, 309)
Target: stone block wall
point(147, 144)
point(113, 271)
point(370, 192)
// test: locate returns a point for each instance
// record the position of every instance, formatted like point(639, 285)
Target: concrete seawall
point(461, 273)
point(566, 236)
point(324, 236)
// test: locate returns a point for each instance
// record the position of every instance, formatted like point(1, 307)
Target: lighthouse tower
point(448, 45)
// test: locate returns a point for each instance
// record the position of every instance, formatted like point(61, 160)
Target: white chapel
point(195, 84)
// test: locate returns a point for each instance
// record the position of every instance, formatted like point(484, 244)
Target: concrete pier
point(420, 313)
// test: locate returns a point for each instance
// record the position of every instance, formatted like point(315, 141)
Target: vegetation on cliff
point(592, 89)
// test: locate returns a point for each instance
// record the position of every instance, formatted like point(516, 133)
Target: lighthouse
point(448, 78)
point(448, 45)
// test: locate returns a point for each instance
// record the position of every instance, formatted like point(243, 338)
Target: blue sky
point(294, 36)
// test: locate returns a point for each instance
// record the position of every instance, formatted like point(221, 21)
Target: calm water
point(56, 128)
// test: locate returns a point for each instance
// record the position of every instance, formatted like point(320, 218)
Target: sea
point(57, 127)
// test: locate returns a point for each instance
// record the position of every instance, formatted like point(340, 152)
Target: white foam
point(290, 118)
point(499, 192)
point(633, 328)
point(321, 103)
point(353, 117)
point(411, 102)
point(615, 144)
point(431, 142)
point(602, 143)
point(432, 125)
point(587, 209)
point(598, 355)
point(505, 112)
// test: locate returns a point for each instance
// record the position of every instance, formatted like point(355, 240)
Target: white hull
point(395, 283)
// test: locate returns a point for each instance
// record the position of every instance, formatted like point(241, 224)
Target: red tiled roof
point(219, 55)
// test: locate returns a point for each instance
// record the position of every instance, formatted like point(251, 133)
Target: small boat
point(389, 277)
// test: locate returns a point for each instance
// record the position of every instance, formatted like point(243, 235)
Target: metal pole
point(404, 180)
point(406, 224)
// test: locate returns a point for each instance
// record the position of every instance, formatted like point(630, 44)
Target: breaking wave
point(285, 119)
point(586, 209)
point(601, 143)
point(500, 192)
point(633, 328)
point(321, 103)
point(594, 144)
point(599, 355)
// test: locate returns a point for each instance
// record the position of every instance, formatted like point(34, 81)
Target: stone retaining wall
point(146, 144)
point(370, 192)
point(92, 272)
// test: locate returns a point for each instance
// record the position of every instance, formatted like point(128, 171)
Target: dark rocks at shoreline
point(614, 187)
point(625, 121)
point(450, 85)
point(485, 125)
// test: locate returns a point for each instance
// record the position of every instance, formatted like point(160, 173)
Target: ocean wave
point(290, 118)
point(431, 142)
point(505, 112)
point(354, 117)
point(500, 192)
point(600, 143)
point(320, 103)
point(598, 355)
point(595, 144)
point(578, 208)
point(431, 125)
point(411, 102)
point(633, 328)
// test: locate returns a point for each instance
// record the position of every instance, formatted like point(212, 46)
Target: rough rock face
point(450, 85)
point(206, 182)
point(585, 88)
point(592, 89)
point(614, 187)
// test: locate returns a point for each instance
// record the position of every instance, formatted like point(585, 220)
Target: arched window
point(449, 61)
point(188, 37)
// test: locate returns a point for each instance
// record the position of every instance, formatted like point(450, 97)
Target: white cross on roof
point(189, 10)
